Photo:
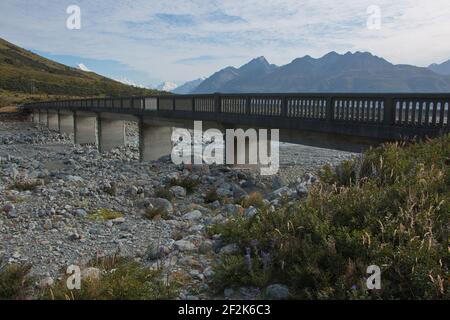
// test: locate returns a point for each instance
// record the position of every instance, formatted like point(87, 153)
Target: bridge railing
point(417, 110)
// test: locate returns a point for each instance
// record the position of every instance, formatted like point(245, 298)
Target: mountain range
point(442, 68)
point(349, 72)
point(188, 87)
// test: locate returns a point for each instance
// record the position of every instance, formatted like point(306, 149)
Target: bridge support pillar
point(244, 151)
point(111, 134)
point(53, 120)
point(154, 141)
point(66, 123)
point(36, 116)
point(86, 128)
point(43, 119)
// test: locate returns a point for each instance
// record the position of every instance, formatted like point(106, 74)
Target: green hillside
point(25, 76)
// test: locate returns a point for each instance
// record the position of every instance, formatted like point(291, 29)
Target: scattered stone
point(230, 249)
point(163, 204)
point(277, 292)
point(193, 215)
point(80, 213)
point(184, 245)
point(178, 192)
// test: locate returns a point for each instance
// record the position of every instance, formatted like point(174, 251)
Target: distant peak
point(259, 60)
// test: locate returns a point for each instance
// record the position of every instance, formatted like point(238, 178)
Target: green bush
point(186, 182)
point(121, 279)
point(15, 283)
point(390, 207)
point(164, 193)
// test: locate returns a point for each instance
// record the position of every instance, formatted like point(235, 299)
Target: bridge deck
point(376, 116)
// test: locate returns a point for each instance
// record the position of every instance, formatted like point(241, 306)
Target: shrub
point(15, 282)
point(390, 208)
point(155, 213)
point(121, 279)
point(188, 183)
point(211, 196)
point(111, 189)
point(254, 199)
point(164, 193)
point(25, 184)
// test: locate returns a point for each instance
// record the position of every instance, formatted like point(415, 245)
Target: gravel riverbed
point(51, 191)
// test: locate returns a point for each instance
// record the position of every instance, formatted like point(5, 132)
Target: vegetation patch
point(15, 283)
point(121, 279)
point(104, 214)
point(212, 196)
point(25, 184)
point(156, 213)
point(164, 193)
point(254, 199)
point(188, 183)
point(390, 208)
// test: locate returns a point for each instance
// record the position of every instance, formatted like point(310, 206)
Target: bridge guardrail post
point(389, 111)
point(248, 101)
point(217, 98)
point(284, 106)
point(330, 109)
point(173, 104)
point(193, 104)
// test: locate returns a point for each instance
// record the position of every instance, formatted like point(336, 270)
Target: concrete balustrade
point(154, 141)
point(111, 133)
point(86, 128)
point(53, 120)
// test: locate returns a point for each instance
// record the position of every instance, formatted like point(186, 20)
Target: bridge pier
point(154, 141)
point(43, 119)
point(66, 123)
point(86, 128)
point(246, 152)
point(36, 116)
point(111, 134)
point(53, 120)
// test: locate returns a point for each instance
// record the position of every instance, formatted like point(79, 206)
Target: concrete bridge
point(337, 121)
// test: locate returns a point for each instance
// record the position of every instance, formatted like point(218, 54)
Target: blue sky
point(150, 41)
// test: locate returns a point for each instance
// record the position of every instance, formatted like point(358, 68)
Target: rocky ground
point(63, 204)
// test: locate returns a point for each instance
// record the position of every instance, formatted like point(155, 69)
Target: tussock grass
point(390, 207)
point(255, 199)
point(156, 213)
point(25, 184)
point(121, 279)
point(211, 196)
point(164, 193)
point(186, 182)
point(15, 283)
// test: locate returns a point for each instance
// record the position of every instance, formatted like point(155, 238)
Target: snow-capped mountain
point(188, 87)
point(129, 82)
point(166, 86)
point(82, 67)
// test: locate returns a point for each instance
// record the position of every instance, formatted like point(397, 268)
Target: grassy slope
point(390, 208)
point(25, 76)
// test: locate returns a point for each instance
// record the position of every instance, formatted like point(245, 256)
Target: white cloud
point(147, 36)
